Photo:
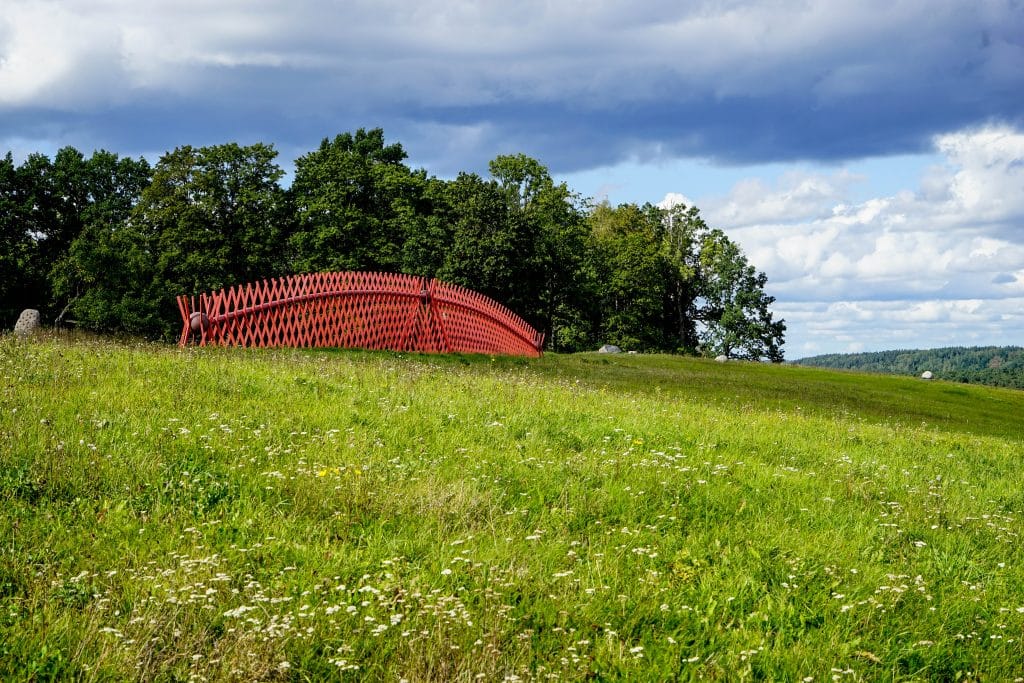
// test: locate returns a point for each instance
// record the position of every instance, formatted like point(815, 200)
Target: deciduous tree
point(549, 231)
point(356, 203)
point(733, 308)
point(213, 217)
point(103, 279)
point(633, 276)
point(671, 283)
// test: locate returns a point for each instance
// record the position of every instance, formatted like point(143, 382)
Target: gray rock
point(609, 348)
point(28, 322)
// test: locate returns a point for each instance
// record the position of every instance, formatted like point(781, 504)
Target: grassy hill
point(212, 514)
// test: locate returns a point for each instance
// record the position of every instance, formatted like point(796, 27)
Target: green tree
point(355, 203)
point(732, 307)
point(48, 208)
point(668, 282)
point(17, 246)
point(429, 229)
point(31, 225)
point(517, 237)
point(683, 227)
point(548, 228)
point(101, 279)
point(481, 246)
point(212, 217)
point(633, 275)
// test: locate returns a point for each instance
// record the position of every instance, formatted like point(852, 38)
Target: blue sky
point(869, 156)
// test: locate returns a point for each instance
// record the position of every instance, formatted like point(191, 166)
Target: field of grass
point(208, 514)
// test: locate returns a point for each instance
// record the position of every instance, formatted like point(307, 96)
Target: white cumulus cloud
point(919, 267)
point(51, 55)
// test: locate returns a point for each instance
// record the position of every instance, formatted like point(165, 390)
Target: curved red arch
point(357, 310)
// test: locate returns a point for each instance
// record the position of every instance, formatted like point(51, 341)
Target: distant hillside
point(1001, 366)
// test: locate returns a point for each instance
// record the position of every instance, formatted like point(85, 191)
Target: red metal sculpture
point(357, 310)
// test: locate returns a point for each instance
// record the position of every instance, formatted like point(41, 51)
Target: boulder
point(609, 348)
point(927, 374)
point(722, 358)
point(28, 322)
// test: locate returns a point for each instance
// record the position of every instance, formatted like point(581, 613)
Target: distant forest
point(1000, 366)
point(105, 243)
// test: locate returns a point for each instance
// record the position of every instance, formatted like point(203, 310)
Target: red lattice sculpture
point(357, 310)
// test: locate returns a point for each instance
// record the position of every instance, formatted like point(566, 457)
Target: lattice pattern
point(357, 310)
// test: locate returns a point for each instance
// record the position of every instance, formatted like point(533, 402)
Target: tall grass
point(214, 514)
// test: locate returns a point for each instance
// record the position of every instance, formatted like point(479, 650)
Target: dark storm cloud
point(577, 84)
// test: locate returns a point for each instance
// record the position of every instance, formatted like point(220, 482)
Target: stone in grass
point(28, 322)
point(927, 374)
point(722, 358)
point(609, 348)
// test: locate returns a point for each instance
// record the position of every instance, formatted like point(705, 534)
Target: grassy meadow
point(209, 515)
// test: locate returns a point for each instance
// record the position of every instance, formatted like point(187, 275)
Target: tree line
point(1001, 366)
point(107, 242)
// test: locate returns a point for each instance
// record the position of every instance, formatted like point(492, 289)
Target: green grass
point(212, 514)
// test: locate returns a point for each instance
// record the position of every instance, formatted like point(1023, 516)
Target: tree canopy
point(106, 242)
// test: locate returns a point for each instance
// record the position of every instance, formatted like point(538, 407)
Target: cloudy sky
point(869, 155)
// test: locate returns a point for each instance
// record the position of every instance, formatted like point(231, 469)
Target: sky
point(868, 156)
